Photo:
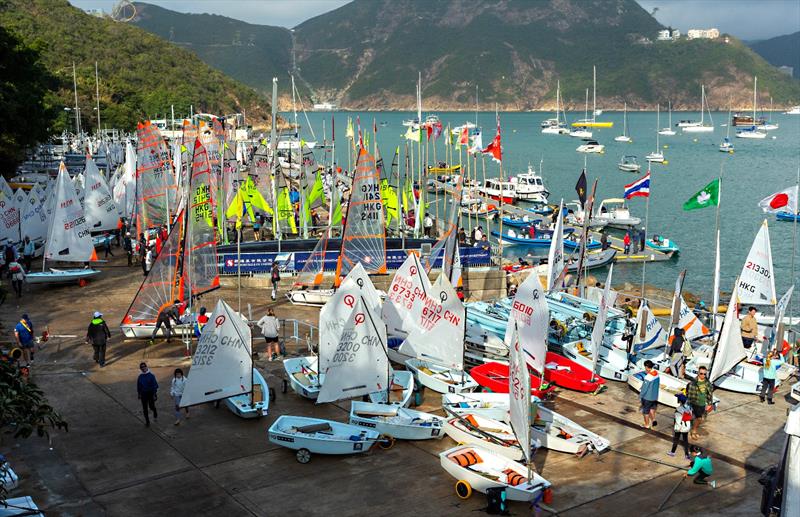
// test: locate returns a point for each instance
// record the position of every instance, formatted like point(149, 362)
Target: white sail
point(221, 365)
point(5, 188)
point(9, 215)
point(756, 282)
point(606, 301)
point(555, 257)
point(531, 313)
point(730, 349)
point(778, 327)
point(34, 216)
point(360, 365)
point(101, 211)
point(406, 297)
point(692, 327)
point(440, 337)
point(519, 390)
point(69, 238)
point(649, 332)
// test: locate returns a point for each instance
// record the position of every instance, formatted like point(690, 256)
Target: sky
point(745, 19)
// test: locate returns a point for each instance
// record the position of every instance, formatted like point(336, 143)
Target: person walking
point(627, 242)
point(23, 333)
point(270, 329)
point(275, 278)
point(107, 245)
point(147, 390)
point(648, 396)
point(28, 249)
point(768, 372)
point(176, 391)
point(127, 245)
point(701, 467)
point(17, 273)
point(749, 328)
point(142, 250)
point(682, 426)
point(97, 335)
point(165, 318)
point(700, 393)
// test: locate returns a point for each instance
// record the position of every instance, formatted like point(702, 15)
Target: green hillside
point(141, 75)
point(253, 54)
point(781, 50)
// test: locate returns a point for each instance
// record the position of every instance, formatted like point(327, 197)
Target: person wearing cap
point(165, 316)
point(683, 424)
point(23, 333)
point(97, 335)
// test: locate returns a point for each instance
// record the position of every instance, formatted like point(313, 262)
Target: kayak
point(494, 377)
point(568, 374)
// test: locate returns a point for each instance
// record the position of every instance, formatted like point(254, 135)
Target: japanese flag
point(783, 201)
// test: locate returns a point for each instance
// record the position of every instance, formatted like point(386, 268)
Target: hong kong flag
point(783, 201)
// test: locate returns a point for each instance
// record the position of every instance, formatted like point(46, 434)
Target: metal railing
point(299, 334)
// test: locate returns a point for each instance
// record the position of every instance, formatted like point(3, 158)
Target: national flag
point(414, 134)
point(429, 130)
point(437, 130)
point(783, 201)
point(708, 196)
point(477, 142)
point(495, 148)
point(639, 188)
point(463, 138)
point(580, 187)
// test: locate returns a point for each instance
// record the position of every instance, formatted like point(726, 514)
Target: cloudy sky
point(745, 19)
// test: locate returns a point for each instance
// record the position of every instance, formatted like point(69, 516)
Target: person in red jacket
point(627, 242)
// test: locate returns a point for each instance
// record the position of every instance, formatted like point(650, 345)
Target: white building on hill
point(702, 33)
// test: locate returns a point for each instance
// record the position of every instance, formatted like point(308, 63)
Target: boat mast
point(755, 87)
point(625, 120)
point(594, 92)
point(658, 124)
point(702, 103)
point(77, 113)
point(715, 297)
point(274, 150)
point(97, 95)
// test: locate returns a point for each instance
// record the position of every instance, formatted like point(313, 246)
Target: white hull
point(590, 149)
point(743, 378)
point(310, 297)
point(396, 421)
point(334, 438)
point(61, 276)
point(441, 379)
point(580, 134)
point(242, 405)
point(402, 379)
point(495, 466)
point(460, 432)
point(534, 197)
point(622, 138)
point(667, 132)
point(625, 167)
point(655, 158)
point(611, 364)
point(145, 330)
point(487, 405)
point(555, 131)
point(303, 377)
point(698, 129)
point(548, 429)
point(795, 393)
point(753, 135)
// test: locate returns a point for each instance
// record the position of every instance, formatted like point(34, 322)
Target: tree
point(23, 406)
point(24, 85)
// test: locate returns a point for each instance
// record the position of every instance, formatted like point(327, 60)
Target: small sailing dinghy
point(568, 374)
point(396, 421)
point(68, 239)
point(303, 376)
point(493, 376)
point(307, 435)
point(488, 405)
point(493, 435)
point(222, 367)
point(405, 302)
point(400, 391)
point(558, 433)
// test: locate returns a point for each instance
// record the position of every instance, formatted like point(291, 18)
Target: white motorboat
point(303, 376)
point(591, 146)
point(794, 110)
point(529, 186)
point(629, 163)
point(576, 216)
point(440, 378)
point(479, 469)
point(499, 190)
point(400, 390)
point(318, 436)
point(700, 127)
point(492, 435)
point(616, 213)
point(396, 421)
point(61, 276)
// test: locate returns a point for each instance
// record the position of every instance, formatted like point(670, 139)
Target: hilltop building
point(788, 70)
point(669, 35)
point(702, 33)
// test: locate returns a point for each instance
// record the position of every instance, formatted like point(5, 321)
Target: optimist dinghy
point(396, 421)
point(488, 405)
point(494, 377)
point(558, 433)
point(400, 390)
point(315, 435)
point(254, 404)
point(568, 374)
point(479, 469)
point(440, 378)
point(303, 376)
point(492, 435)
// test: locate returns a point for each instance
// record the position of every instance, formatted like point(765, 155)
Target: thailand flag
point(640, 187)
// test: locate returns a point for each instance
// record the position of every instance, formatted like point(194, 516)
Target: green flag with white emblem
point(709, 196)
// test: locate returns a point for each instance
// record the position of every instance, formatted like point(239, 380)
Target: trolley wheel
point(82, 282)
point(386, 442)
point(272, 394)
point(463, 489)
point(284, 386)
point(303, 456)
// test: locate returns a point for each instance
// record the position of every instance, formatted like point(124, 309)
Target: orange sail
point(200, 270)
point(364, 236)
point(155, 181)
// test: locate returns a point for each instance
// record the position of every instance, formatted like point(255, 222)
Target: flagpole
point(646, 221)
point(796, 214)
point(715, 299)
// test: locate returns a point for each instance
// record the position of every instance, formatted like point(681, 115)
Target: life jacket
point(466, 458)
point(514, 478)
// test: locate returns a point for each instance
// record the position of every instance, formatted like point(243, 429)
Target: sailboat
point(668, 131)
point(404, 305)
point(222, 367)
point(586, 122)
point(186, 267)
point(699, 127)
point(581, 130)
point(727, 146)
point(756, 130)
point(155, 181)
point(99, 206)
point(769, 125)
point(68, 237)
point(657, 156)
point(554, 126)
point(624, 137)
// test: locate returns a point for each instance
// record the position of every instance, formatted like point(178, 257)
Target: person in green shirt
point(700, 393)
point(701, 467)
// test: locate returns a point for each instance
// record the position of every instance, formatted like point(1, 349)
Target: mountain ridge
point(780, 51)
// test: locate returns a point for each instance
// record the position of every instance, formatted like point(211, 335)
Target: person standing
point(484, 244)
point(701, 395)
point(120, 230)
point(604, 241)
point(28, 249)
point(23, 332)
point(107, 244)
point(149, 260)
point(142, 247)
point(165, 317)
point(749, 328)
point(627, 242)
point(176, 391)
point(147, 390)
point(676, 353)
point(17, 273)
point(275, 278)
point(649, 394)
point(701, 467)
point(257, 228)
point(270, 328)
point(127, 245)
point(642, 239)
point(768, 371)
point(682, 426)
point(427, 225)
point(202, 319)
point(97, 335)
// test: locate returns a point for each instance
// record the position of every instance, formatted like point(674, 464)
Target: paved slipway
point(216, 464)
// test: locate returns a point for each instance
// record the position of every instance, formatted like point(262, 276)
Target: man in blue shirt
point(23, 332)
point(649, 394)
point(147, 389)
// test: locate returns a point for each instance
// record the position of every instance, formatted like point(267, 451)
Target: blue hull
point(543, 243)
point(786, 216)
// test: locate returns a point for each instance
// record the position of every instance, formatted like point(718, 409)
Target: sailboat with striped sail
point(156, 190)
point(186, 267)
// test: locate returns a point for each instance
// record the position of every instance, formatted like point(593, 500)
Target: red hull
point(577, 378)
point(506, 200)
point(494, 377)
